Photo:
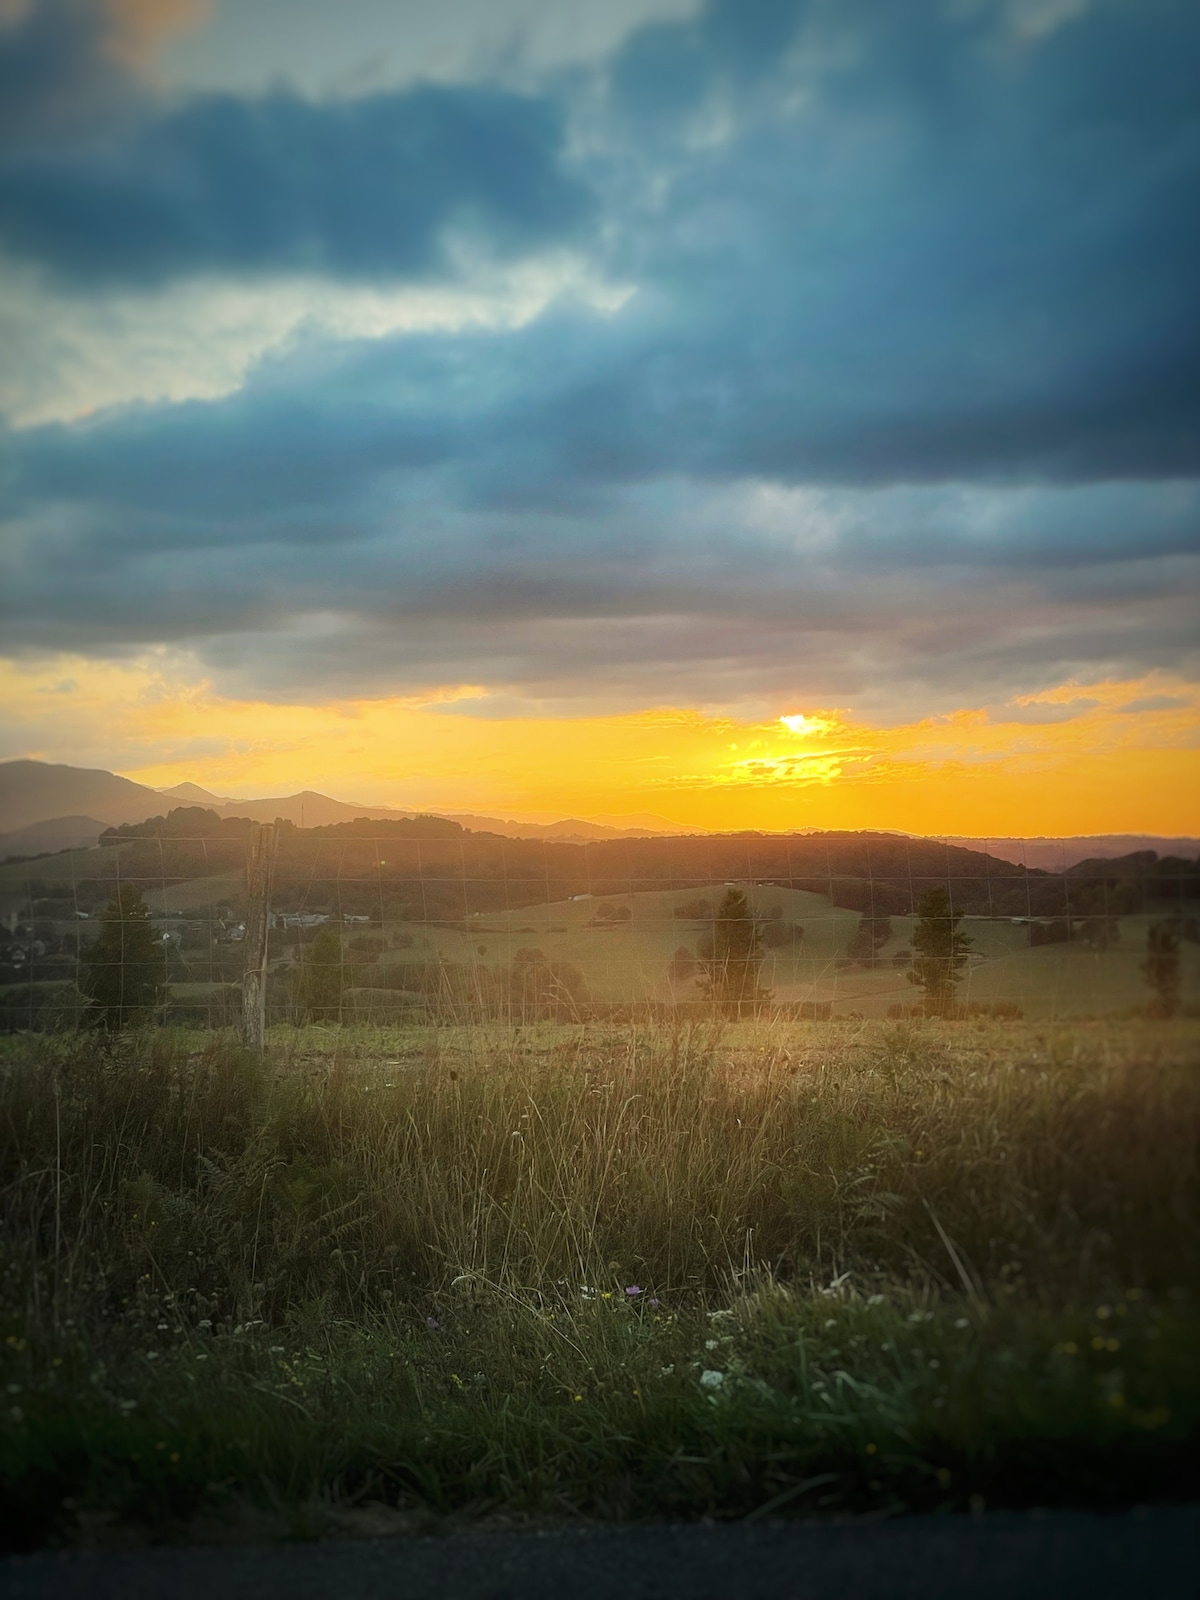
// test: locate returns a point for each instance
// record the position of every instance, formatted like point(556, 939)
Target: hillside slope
point(41, 838)
point(38, 791)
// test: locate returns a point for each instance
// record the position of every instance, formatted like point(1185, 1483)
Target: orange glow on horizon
point(1100, 758)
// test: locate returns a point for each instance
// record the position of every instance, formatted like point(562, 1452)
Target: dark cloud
point(391, 579)
point(917, 249)
point(891, 258)
point(360, 189)
point(550, 425)
point(69, 68)
point(55, 70)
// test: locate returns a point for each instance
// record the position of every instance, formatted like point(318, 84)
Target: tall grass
point(478, 1268)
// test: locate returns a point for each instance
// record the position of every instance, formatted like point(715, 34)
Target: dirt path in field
point(1148, 1555)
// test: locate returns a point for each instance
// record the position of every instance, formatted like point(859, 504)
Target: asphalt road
point(1149, 1555)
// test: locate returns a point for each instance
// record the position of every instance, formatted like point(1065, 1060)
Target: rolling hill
point(34, 792)
point(43, 838)
point(1060, 855)
point(72, 805)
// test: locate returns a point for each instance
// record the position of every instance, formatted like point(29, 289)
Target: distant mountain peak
point(194, 794)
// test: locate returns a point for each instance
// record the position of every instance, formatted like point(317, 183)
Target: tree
point(123, 973)
point(939, 952)
point(1161, 968)
point(540, 988)
point(869, 939)
point(731, 971)
point(318, 983)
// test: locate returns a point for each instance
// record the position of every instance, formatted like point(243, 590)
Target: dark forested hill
point(431, 867)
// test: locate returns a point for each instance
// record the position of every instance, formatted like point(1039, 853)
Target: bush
point(869, 938)
point(40, 1007)
point(610, 913)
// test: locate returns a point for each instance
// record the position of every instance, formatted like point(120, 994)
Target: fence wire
point(422, 922)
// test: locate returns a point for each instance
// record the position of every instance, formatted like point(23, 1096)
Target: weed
point(606, 1272)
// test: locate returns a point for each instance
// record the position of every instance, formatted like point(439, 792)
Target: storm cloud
point(903, 382)
point(364, 189)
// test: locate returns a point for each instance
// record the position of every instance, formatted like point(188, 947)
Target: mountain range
point(46, 807)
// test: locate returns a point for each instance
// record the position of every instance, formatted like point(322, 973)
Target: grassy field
point(628, 960)
point(63, 868)
point(595, 1272)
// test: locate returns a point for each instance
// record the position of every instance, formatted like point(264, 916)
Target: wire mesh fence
point(421, 921)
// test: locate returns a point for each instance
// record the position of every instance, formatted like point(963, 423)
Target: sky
point(761, 413)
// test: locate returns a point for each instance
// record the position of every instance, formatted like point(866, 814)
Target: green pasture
point(630, 961)
point(627, 962)
point(61, 871)
point(60, 874)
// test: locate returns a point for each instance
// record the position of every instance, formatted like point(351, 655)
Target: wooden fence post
point(259, 861)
